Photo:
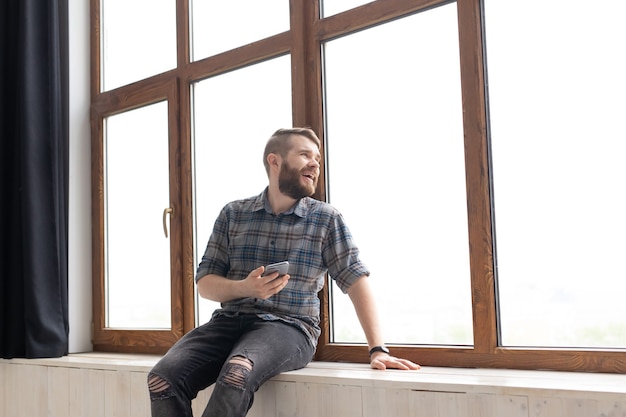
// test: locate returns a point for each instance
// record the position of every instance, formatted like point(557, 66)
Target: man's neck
point(279, 202)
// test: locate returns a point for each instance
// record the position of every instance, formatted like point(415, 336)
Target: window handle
point(167, 211)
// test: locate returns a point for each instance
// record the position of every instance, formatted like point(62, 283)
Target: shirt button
point(272, 242)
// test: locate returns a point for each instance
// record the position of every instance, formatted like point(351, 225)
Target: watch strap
point(375, 349)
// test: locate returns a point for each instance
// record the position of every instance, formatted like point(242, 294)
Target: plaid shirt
point(312, 236)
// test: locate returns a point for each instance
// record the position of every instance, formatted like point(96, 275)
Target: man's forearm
point(220, 289)
point(362, 298)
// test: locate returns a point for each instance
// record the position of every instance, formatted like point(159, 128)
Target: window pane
point(138, 40)
point(332, 7)
point(397, 173)
point(234, 116)
point(219, 26)
point(559, 145)
point(136, 193)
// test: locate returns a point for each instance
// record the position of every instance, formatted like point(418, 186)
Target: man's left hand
point(382, 361)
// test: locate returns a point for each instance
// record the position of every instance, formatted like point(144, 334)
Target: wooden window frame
point(304, 45)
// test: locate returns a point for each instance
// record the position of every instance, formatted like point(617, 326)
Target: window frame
point(305, 45)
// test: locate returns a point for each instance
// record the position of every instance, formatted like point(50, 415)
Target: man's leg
point(269, 348)
point(191, 365)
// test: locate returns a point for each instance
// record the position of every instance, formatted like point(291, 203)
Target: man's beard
point(289, 183)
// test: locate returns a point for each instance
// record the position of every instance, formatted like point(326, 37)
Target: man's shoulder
point(319, 207)
point(245, 204)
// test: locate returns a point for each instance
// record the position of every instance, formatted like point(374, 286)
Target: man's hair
point(280, 142)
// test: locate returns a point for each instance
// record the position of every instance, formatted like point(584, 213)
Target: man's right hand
point(258, 286)
point(221, 289)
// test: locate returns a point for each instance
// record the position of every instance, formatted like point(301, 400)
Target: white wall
point(79, 266)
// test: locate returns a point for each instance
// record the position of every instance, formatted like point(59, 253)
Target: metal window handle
point(167, 211)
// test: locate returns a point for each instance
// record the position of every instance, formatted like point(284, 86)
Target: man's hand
point(263, 287)
point(382, 361)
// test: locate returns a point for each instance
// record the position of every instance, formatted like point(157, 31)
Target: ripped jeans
point(237, 353)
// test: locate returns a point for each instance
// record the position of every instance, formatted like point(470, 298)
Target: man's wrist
point(379, 348)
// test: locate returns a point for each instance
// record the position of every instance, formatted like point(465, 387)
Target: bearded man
point(267, 323)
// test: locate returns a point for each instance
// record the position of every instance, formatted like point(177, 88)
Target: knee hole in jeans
point(237, 371)
point(156, 384)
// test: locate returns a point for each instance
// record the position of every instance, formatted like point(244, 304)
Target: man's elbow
point(203, 286)
point(358, 285)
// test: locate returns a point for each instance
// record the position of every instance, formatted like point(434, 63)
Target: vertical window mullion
point(478, 171)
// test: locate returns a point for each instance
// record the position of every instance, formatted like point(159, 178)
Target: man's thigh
point(271, 347)
point(195, 361)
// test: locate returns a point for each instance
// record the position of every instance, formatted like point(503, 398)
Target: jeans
point(238, 353)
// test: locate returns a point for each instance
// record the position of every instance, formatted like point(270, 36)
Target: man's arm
point(221, 289)
point(362, 298)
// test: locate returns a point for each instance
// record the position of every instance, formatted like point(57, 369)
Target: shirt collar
point(300, 209)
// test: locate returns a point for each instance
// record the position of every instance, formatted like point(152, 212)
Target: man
point(268, 324)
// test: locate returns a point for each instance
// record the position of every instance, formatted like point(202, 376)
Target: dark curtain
point(33, 178)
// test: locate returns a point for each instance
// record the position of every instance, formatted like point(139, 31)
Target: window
point(558, 142)
point(397, 173)
point(214, 28)
point(232, 114)
point(138, 40)
point(443, 148)
point(136, 192)
point(137, 215)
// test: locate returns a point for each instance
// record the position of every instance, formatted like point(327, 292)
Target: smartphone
point(281, 267)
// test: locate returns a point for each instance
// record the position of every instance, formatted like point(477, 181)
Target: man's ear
point(274, 160)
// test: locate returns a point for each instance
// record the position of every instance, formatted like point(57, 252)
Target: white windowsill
point(461, 380)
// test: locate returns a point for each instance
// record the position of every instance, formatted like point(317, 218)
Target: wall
point(79, 249)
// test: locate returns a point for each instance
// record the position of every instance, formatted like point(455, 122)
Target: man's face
point(300, 170)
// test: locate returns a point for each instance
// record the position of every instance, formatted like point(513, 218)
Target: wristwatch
point(379, 349)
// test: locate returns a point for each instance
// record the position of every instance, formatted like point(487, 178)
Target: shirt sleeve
point(341, 255)
point(215, 259)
